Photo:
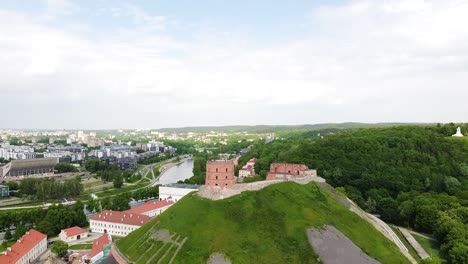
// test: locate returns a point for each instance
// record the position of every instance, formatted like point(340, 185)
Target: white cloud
point(362, 61)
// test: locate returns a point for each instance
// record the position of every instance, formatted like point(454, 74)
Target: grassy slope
point(432, 247)
point(268, 226)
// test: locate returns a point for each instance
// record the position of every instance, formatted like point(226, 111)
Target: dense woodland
point(48, 189)
point(413, 176)
point(49, 221)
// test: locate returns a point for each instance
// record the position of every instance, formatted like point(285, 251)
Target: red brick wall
point(288, 168)
point(220, 173)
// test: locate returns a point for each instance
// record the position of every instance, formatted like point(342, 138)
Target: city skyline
point(152, 64)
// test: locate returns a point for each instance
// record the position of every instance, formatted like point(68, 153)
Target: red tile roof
point(247, 168)
point(149, 206)
point(23, 246)
point(73, 231)
point(253, 160)
point(121, 218)
point(99, 243)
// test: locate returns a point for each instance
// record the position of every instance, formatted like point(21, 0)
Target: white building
point(152, 208)
point(248, 169)
point(175, 192)
point(28, 248)
point(117, 223)
point(245, 171)
point(73, 234)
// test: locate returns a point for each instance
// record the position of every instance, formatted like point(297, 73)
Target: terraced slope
point(266, 226)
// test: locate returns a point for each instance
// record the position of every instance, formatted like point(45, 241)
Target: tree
point(59, 217)
point(106, 203)
point(120, 203)
point(46, 227)
point(92, 205)
point(118, 181)
point(59, 248)
point(79, 217)
point(8, 235)
point(388, 209)
point(20, 230)
point(458, 253)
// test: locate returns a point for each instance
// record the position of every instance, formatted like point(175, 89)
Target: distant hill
point(280, 128)
point(267, 226)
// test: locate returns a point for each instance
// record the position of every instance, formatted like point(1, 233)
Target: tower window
point(216, 177)
point(226, 169)
point(216, 169)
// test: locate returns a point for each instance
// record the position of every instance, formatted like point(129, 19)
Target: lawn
point(267, 226)
point(124, 189)
point(92, 184)
point(80, 246)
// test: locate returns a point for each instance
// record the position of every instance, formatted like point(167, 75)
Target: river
point(177, 173)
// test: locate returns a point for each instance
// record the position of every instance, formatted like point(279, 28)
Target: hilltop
point(266, 226)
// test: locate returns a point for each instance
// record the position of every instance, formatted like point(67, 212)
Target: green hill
point(267, 226)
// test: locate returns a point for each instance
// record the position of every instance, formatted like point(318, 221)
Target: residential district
point(36, 154)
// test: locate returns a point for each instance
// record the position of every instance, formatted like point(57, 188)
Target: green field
point(267, 226)
point(80, 246)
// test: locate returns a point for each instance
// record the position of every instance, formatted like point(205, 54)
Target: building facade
point(117, 223)
point(73, 234)
point(220, 174)
point(289, 170)
point(175, 192)
point(29, 167)
point(28, 248)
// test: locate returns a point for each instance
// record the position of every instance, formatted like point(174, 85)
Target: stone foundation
point(216, 193)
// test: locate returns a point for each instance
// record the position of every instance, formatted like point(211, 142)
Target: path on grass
point(415, 244)
point(380, 225)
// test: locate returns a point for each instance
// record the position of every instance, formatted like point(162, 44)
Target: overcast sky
point(98, 64)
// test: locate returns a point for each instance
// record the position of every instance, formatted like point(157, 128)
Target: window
point(216, 177)
point(226, 177)
point(216, 169)
point(226, 169)
point(216, 184)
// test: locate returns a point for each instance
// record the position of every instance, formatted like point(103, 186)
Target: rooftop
point(23, 246)
point(121, 217)
point(149, 206)
point(99, 243)
point(73, 231)
point(182, 185)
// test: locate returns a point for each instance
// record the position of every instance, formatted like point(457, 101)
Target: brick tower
point(220, 173)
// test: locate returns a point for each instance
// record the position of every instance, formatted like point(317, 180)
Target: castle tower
point(220, 174)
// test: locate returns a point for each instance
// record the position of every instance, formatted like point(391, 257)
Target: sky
point(102, 64)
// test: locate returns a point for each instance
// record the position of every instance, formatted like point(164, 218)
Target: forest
point(413, 176)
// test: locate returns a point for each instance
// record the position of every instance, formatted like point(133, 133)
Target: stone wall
point(217, 193)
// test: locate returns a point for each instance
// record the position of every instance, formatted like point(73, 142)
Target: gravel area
point(218, 258)
point(333, 247)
